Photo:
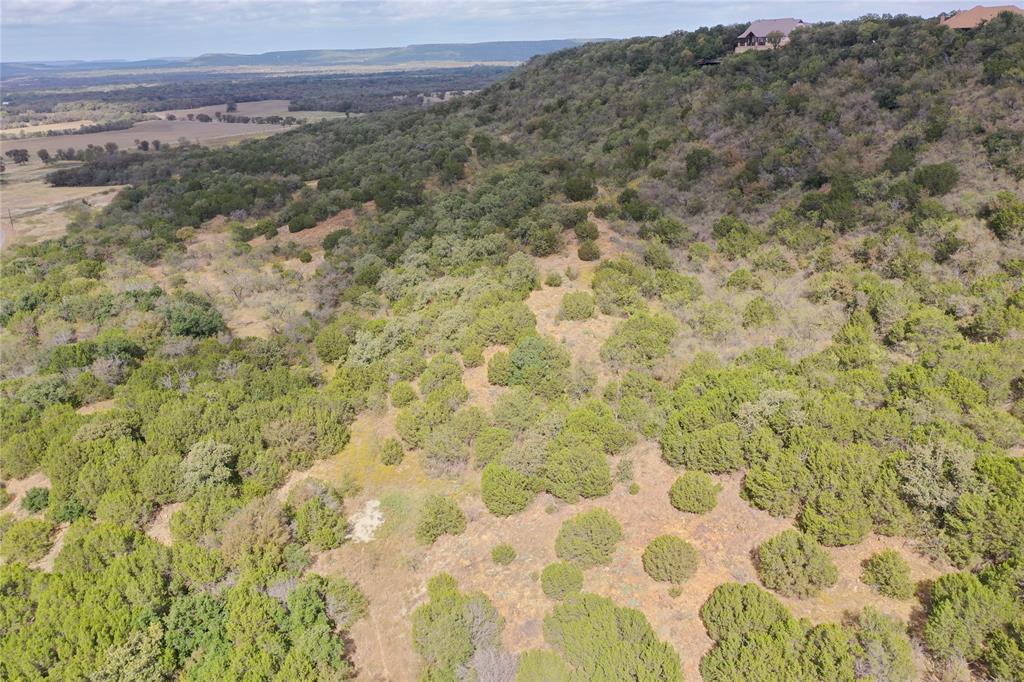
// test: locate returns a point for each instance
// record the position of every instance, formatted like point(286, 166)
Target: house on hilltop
point(973, 18)
point(767, 34)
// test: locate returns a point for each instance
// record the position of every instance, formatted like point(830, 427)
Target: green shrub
point(937, 179)
point(795, 565)
point(26, 541)
point(670, 559)
point(402, 393)
point(451, 626)
point(35, 500)
point(889, 574)
point(882, 648)
point(695, 492)
point(759, 312)
point(742, 279)
point(541, 665)
point(321, 525)
point(962, 611)
point(715, 450)
point(491, 444)
point(574, 472)
point(640, 339)
point(1005, 215)
point(332, 342)
point(473, 355)
point(553, 279)
point(588, 539)
point(505, 491)
point(541, 365)
point(561, 579)
point(192, 315)
point(588, 250)
point(302, 221)
point(576, 306)
point(602, 642)
point(440, 516)
point(503, 554)
point(499, 369)
point(742, 611)
point(580, 187)
point(586, 231)
point(391, 452)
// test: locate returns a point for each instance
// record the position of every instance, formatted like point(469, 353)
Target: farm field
point(165, 131)
point(40, 211)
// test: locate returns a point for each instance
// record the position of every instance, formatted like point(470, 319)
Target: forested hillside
point(666, 369)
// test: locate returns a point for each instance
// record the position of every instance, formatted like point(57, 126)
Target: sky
point(46, 30)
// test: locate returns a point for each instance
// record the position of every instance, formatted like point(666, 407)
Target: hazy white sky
point(136, 29)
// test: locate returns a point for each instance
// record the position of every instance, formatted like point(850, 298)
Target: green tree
point(505, 491)
point(670, 559)
point(440, 516)
point(589, 538)
point(795, 565)
point(695, 492)
point(561, 579)
point(605, 643)
point(889, 574)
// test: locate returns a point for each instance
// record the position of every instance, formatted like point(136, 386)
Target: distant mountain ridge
point(495, 51)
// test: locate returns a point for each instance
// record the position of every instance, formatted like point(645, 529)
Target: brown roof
point(762, 27)
point(973, 18)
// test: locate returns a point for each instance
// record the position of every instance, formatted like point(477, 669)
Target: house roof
point(762, 27)
point(973, 18)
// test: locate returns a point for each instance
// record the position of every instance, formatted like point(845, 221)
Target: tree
point(19, 156)
point(26, 541)
point(452, 626)
point(541, 665)
point(576, 306)
point(588, 539)
point(602, 642)
point(670, 559)
point(795, 565)
point(695, 492)
point(588, 250)
point(44, 156)
point(505, 491)
point(574, 472)
point(192, 315)
point(332, 342)
point(774, 39)
point(561, 579)
point(580, 187)
point(889, 574)
point(440, 516)
point(1004, 215)
point(741, 610)
point(882, 649)
point(207, 463)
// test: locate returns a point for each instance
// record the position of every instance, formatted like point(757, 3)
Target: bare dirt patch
point(46, 563)
point(18, 487)
point(99, 406)
point(160, 528)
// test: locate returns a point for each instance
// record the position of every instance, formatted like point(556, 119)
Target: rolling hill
point(647, 361)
